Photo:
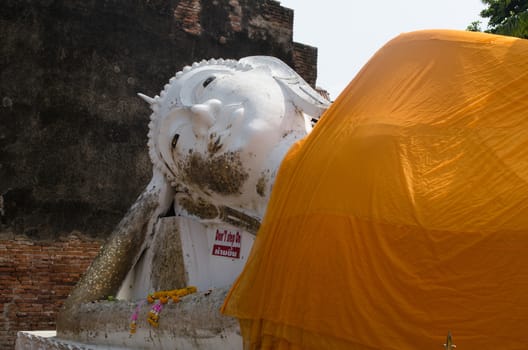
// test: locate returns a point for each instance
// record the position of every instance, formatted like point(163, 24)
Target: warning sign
point(227, 244)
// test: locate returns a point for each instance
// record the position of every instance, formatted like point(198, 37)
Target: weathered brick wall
point(71, 125)
point(305, 62)
point(187, 12)
point(35, 279)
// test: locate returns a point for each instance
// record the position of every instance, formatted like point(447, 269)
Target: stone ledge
point(40, 340)
point(193, 323)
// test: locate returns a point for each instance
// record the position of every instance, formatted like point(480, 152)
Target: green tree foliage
point(506, 17)
point(475, 26)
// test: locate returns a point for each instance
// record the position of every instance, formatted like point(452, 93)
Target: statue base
point(47, 340)
point(193, 323)
point(187, 252)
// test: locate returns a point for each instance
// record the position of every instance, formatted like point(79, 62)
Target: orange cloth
point(404, 214)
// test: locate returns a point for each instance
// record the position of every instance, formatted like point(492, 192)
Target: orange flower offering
point(159, 299)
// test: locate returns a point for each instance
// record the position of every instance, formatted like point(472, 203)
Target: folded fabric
point(404, 214)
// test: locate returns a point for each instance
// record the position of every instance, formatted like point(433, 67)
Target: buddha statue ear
point(302, 95)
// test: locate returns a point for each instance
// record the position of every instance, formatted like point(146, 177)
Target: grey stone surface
point(47, 340)
point(193, 323)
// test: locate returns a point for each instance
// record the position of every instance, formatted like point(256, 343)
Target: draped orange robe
point(404, 214)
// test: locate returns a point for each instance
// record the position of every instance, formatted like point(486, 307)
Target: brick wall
point(35, 279)
point(280, 16)
point(187, 13)
point(72, 126)
point(305, 62)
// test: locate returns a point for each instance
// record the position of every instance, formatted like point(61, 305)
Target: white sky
point(347, 32)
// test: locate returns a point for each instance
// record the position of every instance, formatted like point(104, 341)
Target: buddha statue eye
point(175, 140)
point(208, 81)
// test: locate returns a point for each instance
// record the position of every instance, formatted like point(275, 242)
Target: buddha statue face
point(220, 129)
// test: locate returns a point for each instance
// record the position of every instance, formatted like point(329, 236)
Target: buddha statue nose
point(204, 116)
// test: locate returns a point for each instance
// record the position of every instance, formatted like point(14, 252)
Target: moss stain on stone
point(223, 174)
point(200, 207)
point(261, 185)
point(167, 265)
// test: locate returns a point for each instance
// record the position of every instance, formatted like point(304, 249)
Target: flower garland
point(134, 317)
point(153, 315)
point(159, 299)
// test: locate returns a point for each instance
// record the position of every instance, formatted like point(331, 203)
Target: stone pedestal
point(193, 323)
point(47, 340)
point(187, 252)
